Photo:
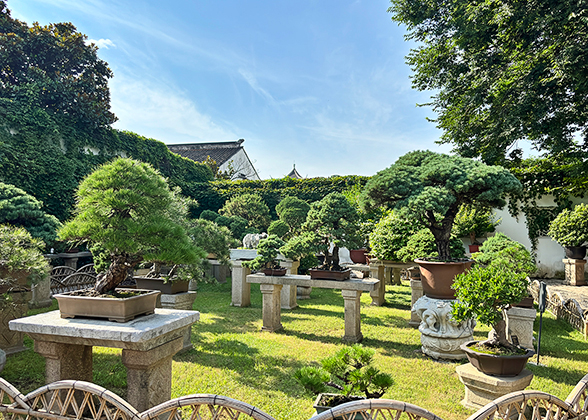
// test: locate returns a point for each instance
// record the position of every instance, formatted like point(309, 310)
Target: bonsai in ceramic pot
point(570, 230)
point(430, 187)
point(266, 260)
point(474, 222)
point(126, 210)
point(497, 281)
point(331, 222)
point(349, 372)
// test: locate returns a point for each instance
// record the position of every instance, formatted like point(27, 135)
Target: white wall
point(241, 164)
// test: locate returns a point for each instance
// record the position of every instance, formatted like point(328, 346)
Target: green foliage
point(473, 221)
point(422, 245)
point(238, 225)
point(278, 228)
point(20, 251)
point(570, 227)
point(329, 221)
point(431, 187)
point(501, 252)
point(391, 234)
point(18, 208)
point(223, 221)
point(502, 72)
point(267, 251)
point(209, 215)
point(250, 207)
point(292, 211)
point(349, 371)
point(127, 208)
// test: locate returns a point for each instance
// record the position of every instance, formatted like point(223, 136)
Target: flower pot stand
point(574, 271)
point(441, 337)
point(480, 389)
point(519, 323)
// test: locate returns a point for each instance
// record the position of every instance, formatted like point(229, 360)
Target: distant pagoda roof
point(294, 173)
point(220, 152)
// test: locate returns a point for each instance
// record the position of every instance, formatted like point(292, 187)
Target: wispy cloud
point(101, 43)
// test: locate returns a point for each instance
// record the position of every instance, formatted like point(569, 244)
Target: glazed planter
point(113, 309)
point(275, 272)
point(358, 255)
point(437, 277)
point(575, 252)
point(329, 275)
point(494, 365)
point(474, 248)
point(169, 288)
point(320, 407)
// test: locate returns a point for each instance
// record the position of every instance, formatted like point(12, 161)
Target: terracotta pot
point(329, 275)
point(275, 272)
point(494, 365)
point(414, 273)
point(575, 252)
point(437, 277)
point(474, 248)
point(358, 255)
point(114, 309)
point(169, 288)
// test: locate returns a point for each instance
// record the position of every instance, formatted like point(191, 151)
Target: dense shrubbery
point(391, 234)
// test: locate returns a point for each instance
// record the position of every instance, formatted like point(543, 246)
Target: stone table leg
point(240, 289)
point(65, 361)
point(378, 295)
point(416, 288)
point(271, 311)
point(352, 316)
point(149, 374)
point(288, 295)
point(396, 275)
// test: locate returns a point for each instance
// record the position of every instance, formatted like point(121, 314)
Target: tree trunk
point(335, 265)
point(497, 336)
point(116, 273)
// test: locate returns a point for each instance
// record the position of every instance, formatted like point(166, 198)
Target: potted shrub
point(330, 222)
point(22, 265)
point(349, 372)
point(267, 252)
point(474, 222)
point(430, 187)
point(124, 208)
point(498, 280)
point(570, 230)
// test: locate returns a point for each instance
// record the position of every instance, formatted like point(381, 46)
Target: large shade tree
point(431, 187)
point(502, 72)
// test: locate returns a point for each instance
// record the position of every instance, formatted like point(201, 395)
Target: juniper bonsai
point(431, 187)
point(125, 208)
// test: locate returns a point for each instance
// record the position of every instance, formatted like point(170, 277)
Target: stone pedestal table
point(350, 289)
point(147, 342)
point(574, 271)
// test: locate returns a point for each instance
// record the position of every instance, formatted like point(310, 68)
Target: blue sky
point(319, 83)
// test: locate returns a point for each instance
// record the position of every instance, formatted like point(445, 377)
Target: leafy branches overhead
point(504, 72)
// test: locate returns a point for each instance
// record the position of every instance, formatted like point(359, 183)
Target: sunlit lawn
point(232, 357)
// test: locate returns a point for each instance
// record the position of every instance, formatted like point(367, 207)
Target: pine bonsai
point(431, 187)
point(267, 251)
point(125, 208)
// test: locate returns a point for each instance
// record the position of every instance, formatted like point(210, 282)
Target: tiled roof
point(294, 174)
point(219, 152)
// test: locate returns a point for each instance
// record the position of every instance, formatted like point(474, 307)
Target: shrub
point(390, 235)
point(472, 221)
point(422, 245)
point(278, 228)
point(20, 251)
point(209, 215)
point(237, 226)
point(570, 227)
point(292, 211)
point(501, 251)
point(250, 207)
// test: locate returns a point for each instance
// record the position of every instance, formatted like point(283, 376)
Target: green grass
point(232, 357)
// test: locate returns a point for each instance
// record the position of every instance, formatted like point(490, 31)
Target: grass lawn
point(232, 357)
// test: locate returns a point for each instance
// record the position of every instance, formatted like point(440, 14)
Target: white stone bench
point(351, 290)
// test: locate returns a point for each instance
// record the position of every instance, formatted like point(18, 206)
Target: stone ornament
point(251, 240)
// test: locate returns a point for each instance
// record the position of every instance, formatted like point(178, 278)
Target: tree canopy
point(503, 72)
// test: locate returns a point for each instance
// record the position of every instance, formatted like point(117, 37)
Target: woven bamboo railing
point(69, 400)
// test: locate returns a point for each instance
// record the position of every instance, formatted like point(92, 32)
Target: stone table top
point(366, 285)
point(142, 333)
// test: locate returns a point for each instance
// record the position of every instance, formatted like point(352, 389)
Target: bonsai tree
point(250, 207)
point(498, 280)
point(349, 372)
point(422, 245)
point(278, 228)
point(267, 251)
point(125, 208)
point(473, 221)
point(431, 187)
point(330, 221)
point(570, 227)
point(18, 208)
point(293, 212)
point(390, 235)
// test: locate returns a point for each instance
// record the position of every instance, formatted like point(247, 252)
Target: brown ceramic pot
point(275, 272)
point(169, 288)
point(358, 255)
point(494, 365)
point(329, 275)
point(437, 277)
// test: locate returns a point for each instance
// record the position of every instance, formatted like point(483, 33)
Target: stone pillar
point(574, 271)
point(377, 272)
point(352, 316)
point(288, 296)
point(519, 322)
point(65, 361)
point(416, 288)
point(149, 374)
point(441, 336)
point(480, 389)
point(71, 262)
point(183, 301)
point(271, 311)
point(396, 275)
point(240, 289)
point(41, 294)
